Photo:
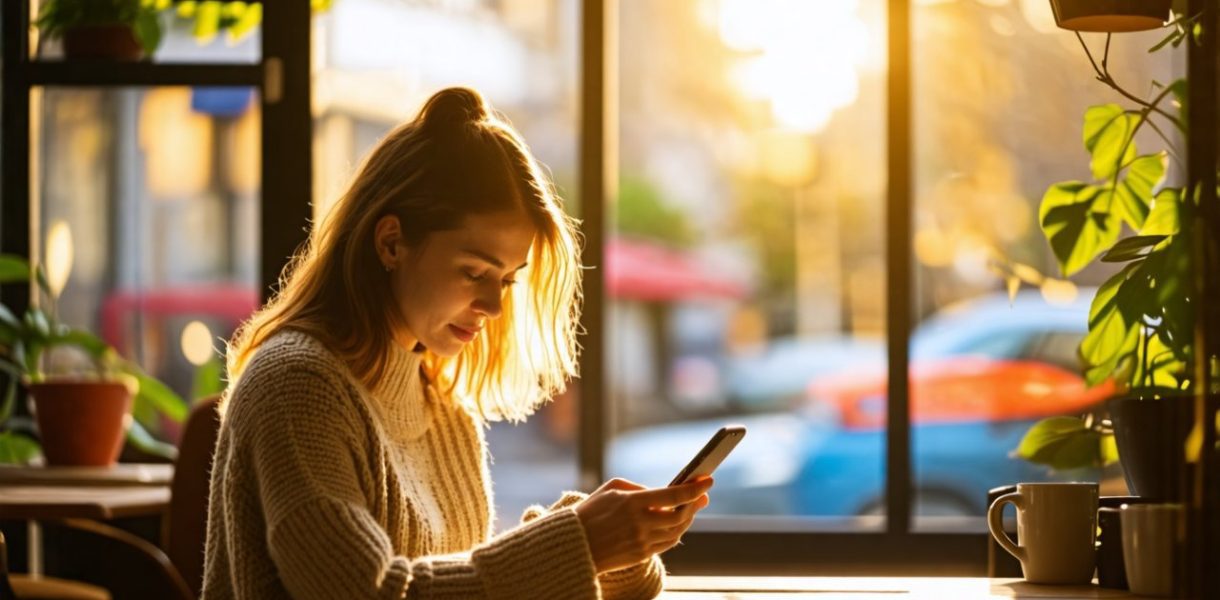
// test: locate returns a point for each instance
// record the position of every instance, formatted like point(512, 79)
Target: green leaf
point(156, 394)
point(147, 29)
point(1109, 333)
point(10, 396)
point(141, 439)
point(91, 344)
point(1134, 193)
point(13, 269)
point(1163, 217)
point(1063, 443)
point(208, 379)
point(249, 19)
point(1132, 248)
point(1109, 449)
point(1107, 130)
point(207, 21)
point(16, 449)
point(1075, 224)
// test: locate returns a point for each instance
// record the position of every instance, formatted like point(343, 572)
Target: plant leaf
point(1107, 130)
point(153, 392)
point(250, 18)
point(207, 21)
point(17, 449)
point(1063, 443)
point(1134, 192)
point(1109, 330)
point(1132, 248)
point(140, 438)
point(1074, 225)
point(13, 269)
point(1163, 217)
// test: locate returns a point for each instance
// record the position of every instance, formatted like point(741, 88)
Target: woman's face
point(454, 283)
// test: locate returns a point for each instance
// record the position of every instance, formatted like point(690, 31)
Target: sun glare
point(802, 57)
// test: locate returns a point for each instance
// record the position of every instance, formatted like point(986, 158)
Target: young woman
point(442, 292)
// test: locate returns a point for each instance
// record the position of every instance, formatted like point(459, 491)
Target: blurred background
point(745, 265)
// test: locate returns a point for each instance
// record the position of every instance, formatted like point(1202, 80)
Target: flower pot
point(1110, 15)
point(81, 423)
point(1150, 433)
point(112, 42)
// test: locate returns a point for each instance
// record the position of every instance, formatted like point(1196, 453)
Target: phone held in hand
point(712, 454)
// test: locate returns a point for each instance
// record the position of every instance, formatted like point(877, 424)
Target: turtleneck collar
point(401, 394)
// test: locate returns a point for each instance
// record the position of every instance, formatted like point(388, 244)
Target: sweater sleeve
point(310, 450)
point(637, 582)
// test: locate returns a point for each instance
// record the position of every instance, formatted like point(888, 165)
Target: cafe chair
point(185, 529)
point(24, 587)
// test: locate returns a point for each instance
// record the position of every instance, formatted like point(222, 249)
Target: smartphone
point(712, 454)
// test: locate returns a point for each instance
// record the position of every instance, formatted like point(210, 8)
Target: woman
point(442, 292)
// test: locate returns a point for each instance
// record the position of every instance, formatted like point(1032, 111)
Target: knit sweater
point(323, 489)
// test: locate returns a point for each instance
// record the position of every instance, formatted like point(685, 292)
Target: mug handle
point(995, 523)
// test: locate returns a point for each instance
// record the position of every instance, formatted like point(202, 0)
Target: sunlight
point(197, 343)
point(802, 57)
point(59, 256)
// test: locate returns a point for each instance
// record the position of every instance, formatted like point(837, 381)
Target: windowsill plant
point(112, 380)
point(1141, 321)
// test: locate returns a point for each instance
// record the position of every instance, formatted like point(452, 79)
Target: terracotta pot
point(1110, 15)
point(81, 423)
point(113, 42)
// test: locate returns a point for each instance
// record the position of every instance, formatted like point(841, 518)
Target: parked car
point(982, 372)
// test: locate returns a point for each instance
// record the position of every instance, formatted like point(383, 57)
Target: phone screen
point(712, 454)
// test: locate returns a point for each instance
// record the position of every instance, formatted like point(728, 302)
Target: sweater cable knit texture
point(322, 489)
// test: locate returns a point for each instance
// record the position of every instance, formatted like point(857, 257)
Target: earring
point(389, 268)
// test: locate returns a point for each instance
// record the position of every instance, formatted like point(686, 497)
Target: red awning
point(641, 270)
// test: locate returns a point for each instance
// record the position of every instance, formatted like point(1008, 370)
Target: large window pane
point(147, 213)
point(377, 63)
point(746, 262)
point(1000, 93)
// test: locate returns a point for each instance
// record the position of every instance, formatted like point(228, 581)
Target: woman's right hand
point(626, 523)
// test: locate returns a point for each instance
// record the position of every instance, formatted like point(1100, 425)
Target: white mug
point(1057, 525)
point(1149, 535)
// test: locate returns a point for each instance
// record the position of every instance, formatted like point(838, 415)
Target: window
point(745, 266)
point(1000, 92)
point(148, 212)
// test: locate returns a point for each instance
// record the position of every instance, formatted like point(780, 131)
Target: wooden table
point(875, 588)
point(97, 493)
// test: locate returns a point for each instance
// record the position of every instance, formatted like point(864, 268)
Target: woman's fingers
point(618, 483)
point(672, 496)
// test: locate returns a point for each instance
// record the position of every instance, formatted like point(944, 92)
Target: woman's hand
point(627, 523)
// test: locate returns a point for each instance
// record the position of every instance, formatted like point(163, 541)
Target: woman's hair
point(456, 158)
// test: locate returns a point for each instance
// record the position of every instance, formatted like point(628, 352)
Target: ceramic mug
point(1057, 525)
point(1150, 532)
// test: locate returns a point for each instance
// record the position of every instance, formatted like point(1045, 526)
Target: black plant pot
point(1151, 434)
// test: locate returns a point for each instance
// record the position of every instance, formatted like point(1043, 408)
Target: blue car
point(982, 373)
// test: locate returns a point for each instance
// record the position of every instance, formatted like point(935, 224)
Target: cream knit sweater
point(321, 489)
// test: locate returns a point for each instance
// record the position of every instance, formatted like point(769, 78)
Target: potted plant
point(102, 29)
point(82, 419)
point(1141, 321)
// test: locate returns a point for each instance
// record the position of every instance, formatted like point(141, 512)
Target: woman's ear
point(388, 239)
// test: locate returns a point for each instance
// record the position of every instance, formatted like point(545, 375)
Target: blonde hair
point(457, 157)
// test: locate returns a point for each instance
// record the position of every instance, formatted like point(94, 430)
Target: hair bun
point(454, 106)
